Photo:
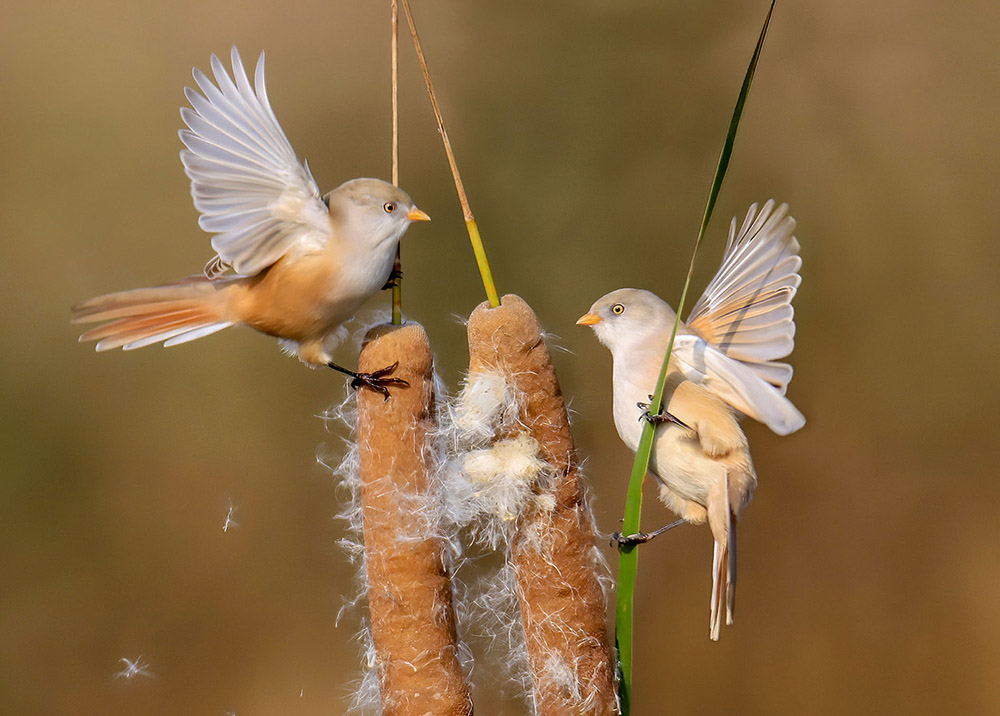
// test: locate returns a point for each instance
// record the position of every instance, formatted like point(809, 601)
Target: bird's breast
point(632, 385)
point(306, 297)
point(678, 460)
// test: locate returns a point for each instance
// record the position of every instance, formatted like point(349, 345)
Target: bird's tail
point(722, 520)
point(175, 313)
point(724, 581)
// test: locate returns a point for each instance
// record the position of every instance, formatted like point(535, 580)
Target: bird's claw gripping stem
point(617, 538)
point(662, 417)
point(394, 278)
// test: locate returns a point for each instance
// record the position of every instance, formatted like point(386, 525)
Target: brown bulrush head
point(561, 600)
point(409, 588)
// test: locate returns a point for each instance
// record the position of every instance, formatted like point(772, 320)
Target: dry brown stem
point(562, 603)
point(409, 588)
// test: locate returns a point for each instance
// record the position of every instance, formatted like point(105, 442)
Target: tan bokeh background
point(588, 133)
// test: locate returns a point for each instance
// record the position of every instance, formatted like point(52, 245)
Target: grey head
point(372, 212)
point(628, 318)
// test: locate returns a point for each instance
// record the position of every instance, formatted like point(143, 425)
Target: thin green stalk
point(484, 266)
point(628, 558)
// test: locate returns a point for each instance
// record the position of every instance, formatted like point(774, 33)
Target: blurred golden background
point(587, 134)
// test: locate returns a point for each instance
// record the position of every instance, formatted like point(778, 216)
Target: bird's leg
point(376, 380)
point(642, 537)
point(394, 276)
point(662, 417)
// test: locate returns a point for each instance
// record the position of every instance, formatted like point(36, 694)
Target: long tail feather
point(141, 323)
point(731, 569)
point(722, 520)
point(174, 313)
point(719, 588)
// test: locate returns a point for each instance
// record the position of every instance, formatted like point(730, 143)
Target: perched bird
point(290, 263)
point(723, 366)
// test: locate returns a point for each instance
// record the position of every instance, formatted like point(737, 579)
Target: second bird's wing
point(251, 190)
point(736, 383)
point(746, 310)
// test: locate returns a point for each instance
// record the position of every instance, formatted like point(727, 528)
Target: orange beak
point(588, 319)
point(417, 215)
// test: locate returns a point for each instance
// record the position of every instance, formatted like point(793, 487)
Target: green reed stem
point(628, 556)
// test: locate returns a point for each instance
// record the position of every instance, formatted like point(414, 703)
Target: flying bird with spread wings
point(290, 262)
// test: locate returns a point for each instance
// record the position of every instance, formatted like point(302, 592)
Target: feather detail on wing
point(737, 383)
point(746, 311)
point(246, 181)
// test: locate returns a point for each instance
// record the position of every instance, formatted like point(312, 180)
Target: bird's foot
point(377, 380)
point(395, 276)
point(617, 538)
point(662, 417)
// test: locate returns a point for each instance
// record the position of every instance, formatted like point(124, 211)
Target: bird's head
point(628, 318)
point(373, 211)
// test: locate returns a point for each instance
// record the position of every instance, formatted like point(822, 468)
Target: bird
point(288, 262)
point(725, 364)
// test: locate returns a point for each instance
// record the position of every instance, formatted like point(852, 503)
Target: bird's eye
point(389, 207)
point(618, 309)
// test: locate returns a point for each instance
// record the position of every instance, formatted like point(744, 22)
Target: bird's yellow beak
point(417, 215)
point(588, 319)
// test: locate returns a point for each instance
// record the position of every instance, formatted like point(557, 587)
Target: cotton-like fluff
point(485, 406)
point(488, 485)
point(495, 485)
point(365, 699)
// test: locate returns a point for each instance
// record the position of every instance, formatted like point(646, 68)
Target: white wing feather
point(746, 310)
point(251, 190)
point(736, 383)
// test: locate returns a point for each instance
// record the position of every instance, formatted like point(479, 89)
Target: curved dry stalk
point(470, 220)
point(553, 553)
point(409, 587)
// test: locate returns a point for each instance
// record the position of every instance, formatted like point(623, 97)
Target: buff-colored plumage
point(723, 365)
point(290, 263)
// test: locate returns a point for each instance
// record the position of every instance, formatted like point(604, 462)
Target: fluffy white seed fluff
point(486, 405)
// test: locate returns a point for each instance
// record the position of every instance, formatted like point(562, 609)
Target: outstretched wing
point(746, 311)
point(736, 383)
point(246, 181)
